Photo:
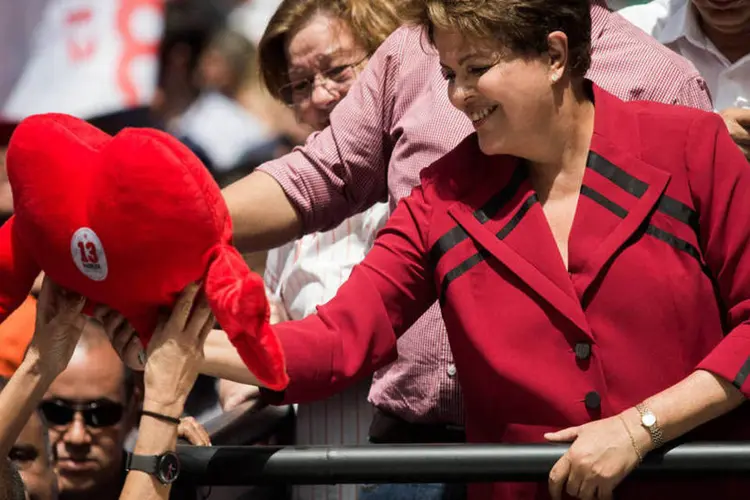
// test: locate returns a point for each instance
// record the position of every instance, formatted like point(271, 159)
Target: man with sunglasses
point(170, 369)
point(90, 409)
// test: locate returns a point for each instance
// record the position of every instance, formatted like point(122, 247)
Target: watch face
point(169, 468)
point(648, 419)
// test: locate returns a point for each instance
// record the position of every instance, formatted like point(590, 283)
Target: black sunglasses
point(100, 413)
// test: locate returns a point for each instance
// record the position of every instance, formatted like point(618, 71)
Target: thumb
point(563, 436)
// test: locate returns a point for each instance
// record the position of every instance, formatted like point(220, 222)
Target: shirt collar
point(682, 23)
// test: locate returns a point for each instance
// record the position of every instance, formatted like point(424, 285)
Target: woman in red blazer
point(590, 256)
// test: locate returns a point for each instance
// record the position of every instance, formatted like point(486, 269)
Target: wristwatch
point(648, 421)
point(166, 467)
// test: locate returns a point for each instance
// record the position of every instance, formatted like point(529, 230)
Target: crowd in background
point(238, 92)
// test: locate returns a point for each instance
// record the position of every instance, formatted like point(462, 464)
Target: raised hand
point(175, 352)
point(59, 323)
point(123, 337)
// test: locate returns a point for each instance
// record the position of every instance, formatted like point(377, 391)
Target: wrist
point(165, 392)
point(155, 437)
point(160, 416)
point(34, 368)
point(641, 435)
point(172, 409)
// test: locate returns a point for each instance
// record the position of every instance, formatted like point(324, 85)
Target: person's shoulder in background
point(633, 65)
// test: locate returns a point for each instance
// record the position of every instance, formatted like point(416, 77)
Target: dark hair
point(11, 484)
point(190, 24)
point(520, 25)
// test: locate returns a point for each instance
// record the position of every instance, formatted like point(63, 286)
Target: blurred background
point(187, 67)
point(184, 66)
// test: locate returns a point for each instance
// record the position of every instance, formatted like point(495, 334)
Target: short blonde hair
point(522, 26)
point(371, 22)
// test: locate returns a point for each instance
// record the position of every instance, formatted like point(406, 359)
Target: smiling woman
point(500, 58)
point(308, 41)
point(590, 257)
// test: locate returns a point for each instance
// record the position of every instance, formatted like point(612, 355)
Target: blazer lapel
point(628, 190)
point(521, 213)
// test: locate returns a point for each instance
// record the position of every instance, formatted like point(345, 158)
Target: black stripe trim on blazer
point(636, 187)
point(482, 254)
point(445, 243)
point(654, 231)
point(605, 202)
point(483, 214)
point(459, 270)
point(494, 204)
point(742, 375)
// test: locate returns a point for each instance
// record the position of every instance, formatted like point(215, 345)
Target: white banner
point(81, 57)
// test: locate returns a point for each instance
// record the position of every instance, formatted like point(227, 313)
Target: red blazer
point(659, 285)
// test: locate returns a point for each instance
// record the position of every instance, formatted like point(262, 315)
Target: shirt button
point(583, 351)
point(592, 400)
point(451, 370)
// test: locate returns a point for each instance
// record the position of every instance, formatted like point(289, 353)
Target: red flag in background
point(88, 58)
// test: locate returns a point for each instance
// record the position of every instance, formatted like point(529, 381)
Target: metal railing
point(246, 465)
point(251, 422)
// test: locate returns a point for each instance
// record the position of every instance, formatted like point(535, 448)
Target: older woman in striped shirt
point(310, 54)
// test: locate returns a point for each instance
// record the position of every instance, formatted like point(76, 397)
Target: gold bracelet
point(638, 452)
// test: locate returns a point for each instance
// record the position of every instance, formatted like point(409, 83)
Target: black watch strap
point(143, 463)
point(165, 467)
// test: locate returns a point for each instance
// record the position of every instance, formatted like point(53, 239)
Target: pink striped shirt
point(397, 120)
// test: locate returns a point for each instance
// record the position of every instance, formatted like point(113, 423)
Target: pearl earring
point(554, 78)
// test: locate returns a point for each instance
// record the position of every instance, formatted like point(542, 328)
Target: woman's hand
point(123, 337)
point(175, 352)
point(600, 457)
point(193, 431)
point(59, 324)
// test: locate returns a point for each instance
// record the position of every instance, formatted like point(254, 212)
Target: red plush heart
point(128, 221)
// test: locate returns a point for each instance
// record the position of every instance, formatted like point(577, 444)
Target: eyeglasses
point(97, 414)
point(335, 80)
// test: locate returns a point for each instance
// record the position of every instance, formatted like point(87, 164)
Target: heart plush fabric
point(128, 221)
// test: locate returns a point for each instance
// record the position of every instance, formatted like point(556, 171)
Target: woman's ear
point(557, 43)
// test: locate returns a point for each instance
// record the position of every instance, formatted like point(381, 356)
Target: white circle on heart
point(88, 254)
